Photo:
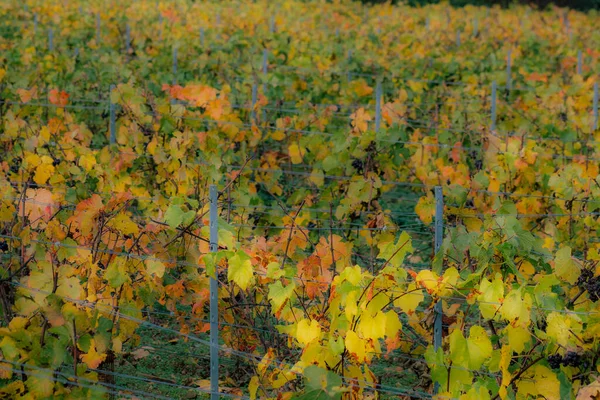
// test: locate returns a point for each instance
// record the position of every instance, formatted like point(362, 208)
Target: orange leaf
point(58, 98)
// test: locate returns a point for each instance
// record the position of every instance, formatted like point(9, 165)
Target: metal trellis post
point(378, 94)
point(113, 127)
point(508, 72)
point(50, 40)
point(349, 60)
point(254, 100)
point(174, 65)
point(579, 62)
point(214, 299)
point(493, 125)
point(439, 234)
point(595, 106)
point(128, 39)
point(264, 71)
point(98, 29)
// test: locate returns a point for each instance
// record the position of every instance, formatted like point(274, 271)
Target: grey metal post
point(50, 39)
point(160, 27)
point(378, 92)
point(475, 27)
point(595, 106)
point(254, 100)
point(427, 23)
point(214, 299)
point(264, 70)
point(174, 68)
point(113, 119)
point(457, 38)
point(493, 101)
point(35, 23)
point(508, 73)
point(349, 60)
point(439, 234)
point(272, 25)
point(439, 218)
point(265, 61)
point(128, 38)
point(579, 62)
point(98, 37)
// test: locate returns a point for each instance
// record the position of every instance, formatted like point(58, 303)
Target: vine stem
point(521, 372)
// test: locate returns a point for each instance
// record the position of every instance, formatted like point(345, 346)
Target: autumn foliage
point(325, 252)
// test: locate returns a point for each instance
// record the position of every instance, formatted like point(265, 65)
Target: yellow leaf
point(87, 162)
point(92, 358)
point(295, 154)
point(124, 224)
point(372, 327)
point(352, 274)
point(307, 331)
point(566, 269)
point(475, 393)
point(43, 173)
point(351, 308)
point(538, 381)
point(409, 301)
point(515, 308)
point(491, 297)
point(392, 324)
point(561, 327)
point(240, 270)
point(155, 267)
point(505, 356)
point(360, 120)
point(253, 387)
point(425, 209)
point(355, 346)
point(518, 337)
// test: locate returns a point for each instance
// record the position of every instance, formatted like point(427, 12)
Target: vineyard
point(298, 200)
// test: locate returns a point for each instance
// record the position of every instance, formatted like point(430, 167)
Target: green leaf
point(472, 352)
point(279, 294)
point(9, 348)
point(435, 361)
point(116, 273)
point(67, 249)
point(84, 342)
point(395, 252)
point(40, 384)
point(175, 216)
point(320, 384)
